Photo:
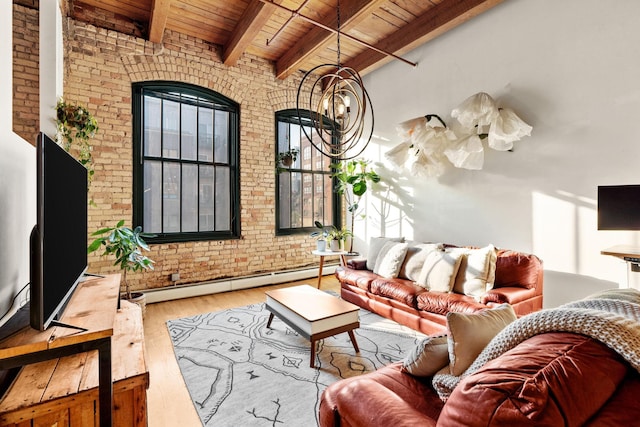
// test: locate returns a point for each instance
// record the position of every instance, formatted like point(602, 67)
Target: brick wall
point(26, 113)
point(100, 66)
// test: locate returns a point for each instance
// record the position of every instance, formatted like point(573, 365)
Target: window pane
point(170, 129)
point(307, 200)
point(296, 200)
point(222, 199)
point(294, 142)
point(222, 137)
point(320, 162)
point(328, 201)
point(189, 129)
point(189, 198)
point(284, 193)
point(151, 125)
point(318, 198)
point(171, 198)
point(206, 198)
point(152, 218)
point(283, 137)
point(205, 134)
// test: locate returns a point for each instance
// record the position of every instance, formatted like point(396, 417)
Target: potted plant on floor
point(126, 245)
point(353, 177)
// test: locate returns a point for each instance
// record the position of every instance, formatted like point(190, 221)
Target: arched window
point(185, 173)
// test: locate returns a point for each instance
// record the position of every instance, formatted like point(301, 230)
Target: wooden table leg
point(343, 260)
point(312, 359)
point(270, 319)
point(353, 341)
point(320, 270)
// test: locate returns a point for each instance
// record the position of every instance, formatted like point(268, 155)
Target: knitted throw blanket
point(611, 317)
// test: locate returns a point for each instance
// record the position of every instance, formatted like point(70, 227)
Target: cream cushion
point(477, 271)
point(414, 260)
point(439, 271)
point(390, 259)
point(375, 244)
point(469, 334)
point(428, 357)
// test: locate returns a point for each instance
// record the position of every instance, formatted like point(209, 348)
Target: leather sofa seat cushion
point(443, 303)
point(359, 278)
point(517, 269)
point(550, 379)
point(404, 291)
point(385, 397)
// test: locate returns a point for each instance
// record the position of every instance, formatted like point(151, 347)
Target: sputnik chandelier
point(338, 105)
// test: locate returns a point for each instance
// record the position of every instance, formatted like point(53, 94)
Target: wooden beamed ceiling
point(279, 31)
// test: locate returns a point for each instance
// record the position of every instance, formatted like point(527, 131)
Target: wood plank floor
point(169, 403)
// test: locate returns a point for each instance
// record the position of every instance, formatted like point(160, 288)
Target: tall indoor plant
point(126, 245)
point(353, 177)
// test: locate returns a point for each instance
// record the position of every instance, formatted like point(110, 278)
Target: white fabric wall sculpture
point(429, 146)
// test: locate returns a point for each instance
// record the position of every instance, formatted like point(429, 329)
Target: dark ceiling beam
point(255, 16)
point(158, 19)
point(436, 21)
point(352, 12)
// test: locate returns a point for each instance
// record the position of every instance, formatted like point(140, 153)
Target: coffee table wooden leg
point(313, 354)
point(353, 341)
point(270, 319)
point(320, 270)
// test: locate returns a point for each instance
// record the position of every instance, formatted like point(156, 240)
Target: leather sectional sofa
point(518, 281)
point(553, 379)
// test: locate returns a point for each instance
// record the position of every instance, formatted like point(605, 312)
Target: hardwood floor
point(169, 403)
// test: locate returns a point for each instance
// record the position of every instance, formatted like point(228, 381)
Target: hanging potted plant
point(126, 245)
point(286, 158)
point(76, 126)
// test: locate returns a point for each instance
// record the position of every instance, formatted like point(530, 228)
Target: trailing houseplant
point(353, 177)
point(76, 126)
point(126, 245)
point(286, 159)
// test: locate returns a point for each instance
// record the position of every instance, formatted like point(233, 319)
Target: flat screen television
point(59, 238)
point(619, 207)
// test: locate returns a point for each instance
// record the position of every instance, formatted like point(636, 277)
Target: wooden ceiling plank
point(158, 19)
point(255, 16)
point(352, 12)
point(434, 22)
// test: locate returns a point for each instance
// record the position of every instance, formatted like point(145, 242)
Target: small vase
point(322, 245)
point(335, 245)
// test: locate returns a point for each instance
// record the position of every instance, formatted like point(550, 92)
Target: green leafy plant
point(126, 245)
point(353, 178)
point(76, 126)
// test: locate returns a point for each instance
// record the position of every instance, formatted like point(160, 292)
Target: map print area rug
point(240, 373)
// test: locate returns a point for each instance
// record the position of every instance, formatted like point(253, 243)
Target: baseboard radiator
point(236, 283)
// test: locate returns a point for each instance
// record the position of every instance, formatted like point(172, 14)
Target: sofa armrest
point(367, 403)
point(511, 295)
point(357, 264)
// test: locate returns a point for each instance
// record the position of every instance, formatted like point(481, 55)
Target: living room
point(567, 69)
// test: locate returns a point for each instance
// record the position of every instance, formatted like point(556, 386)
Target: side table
point(322, 254)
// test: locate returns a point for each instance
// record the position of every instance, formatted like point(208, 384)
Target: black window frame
point(293, 116)
point(220, 103)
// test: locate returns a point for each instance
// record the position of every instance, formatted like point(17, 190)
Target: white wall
point(570, 69)
point(17, 179)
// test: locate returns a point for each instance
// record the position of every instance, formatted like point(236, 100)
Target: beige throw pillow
point(439, 271)
point(375, 244)
point(414, 260)
point(390, 259)
point(469, 334)
point(477, 271)
point(428, 357)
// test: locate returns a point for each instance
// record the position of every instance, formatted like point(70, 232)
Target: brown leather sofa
point(518, 281)
point(552, 379)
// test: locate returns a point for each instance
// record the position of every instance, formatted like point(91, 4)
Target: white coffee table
point(313, 314)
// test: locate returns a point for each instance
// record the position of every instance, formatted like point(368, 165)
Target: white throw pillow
point(390, 259)
point(469, 334)
point(428, 357)
point(439, 271)
point(375, 244)
point(414, 260)
point(477, 271)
